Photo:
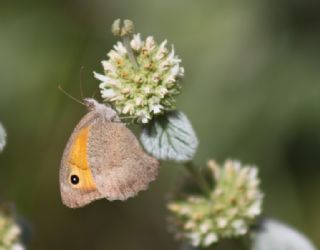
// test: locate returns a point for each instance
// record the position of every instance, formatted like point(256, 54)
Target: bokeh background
point(251, 90)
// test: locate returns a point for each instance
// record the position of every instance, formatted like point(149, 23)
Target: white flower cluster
point(10, 233)
point(146, 87)
point(231, 209)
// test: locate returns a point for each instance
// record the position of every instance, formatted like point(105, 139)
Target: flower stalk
point(196, 174)
point(126, 42)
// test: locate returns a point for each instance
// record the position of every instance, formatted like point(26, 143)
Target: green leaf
point(273, 235)
point(3, 137)
point(170, 137)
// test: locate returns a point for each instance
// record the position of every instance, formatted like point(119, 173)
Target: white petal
point(136, 42)
point(127, 109)
point(172, 58)
point(185, 210)
point(190, 224)
point(254, 209)
point(150, 43)
point(139, 100)
point(210, 238)
point(108, 93)
point(175, 70)
point(170, 79)
point(113, 55)
point(163, 44)
point(143, 116)
point(157, 109)
point(12, 233)
point(120, 48)
point(105, 80)
point(100, 77)
point(173, 74)
point(171, 55)
point(181, 71)
point(222, 222)
point(195, 239)
point(108, 66)
point(161, 51)
point(162, 91)
point(163, 66)
point(204, 227)
point(237, 165)
point(240, 226)
point(253, 173)
point(147, 90)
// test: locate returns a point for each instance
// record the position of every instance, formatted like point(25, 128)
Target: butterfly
point(103, 159)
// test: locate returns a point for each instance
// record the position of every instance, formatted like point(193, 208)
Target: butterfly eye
point(74, 179)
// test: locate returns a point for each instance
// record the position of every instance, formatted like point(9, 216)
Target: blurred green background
point(251, 90)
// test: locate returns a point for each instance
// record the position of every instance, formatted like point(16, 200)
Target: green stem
point(246, 242)
point(242, 243)
point(193, 170)
point(126, 42)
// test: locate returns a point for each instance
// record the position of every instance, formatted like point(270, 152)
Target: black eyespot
point(74, 179)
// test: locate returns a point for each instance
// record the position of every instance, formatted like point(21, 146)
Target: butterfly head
point(104, 110)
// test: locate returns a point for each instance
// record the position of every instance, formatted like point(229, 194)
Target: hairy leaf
point(170, 137)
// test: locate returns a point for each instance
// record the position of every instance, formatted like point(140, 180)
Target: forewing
point(75, 163)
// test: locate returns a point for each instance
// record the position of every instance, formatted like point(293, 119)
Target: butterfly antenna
point(81, 85)
point(70, 96)
point(94, 93)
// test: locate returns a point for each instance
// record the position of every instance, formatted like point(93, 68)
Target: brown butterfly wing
point(119, 165)
point(74, 162)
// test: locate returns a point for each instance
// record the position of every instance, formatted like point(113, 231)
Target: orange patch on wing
point(78, 161)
